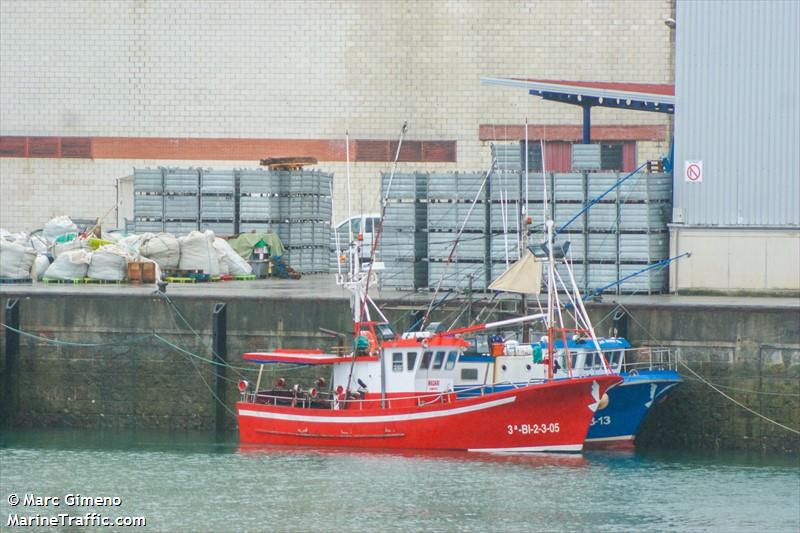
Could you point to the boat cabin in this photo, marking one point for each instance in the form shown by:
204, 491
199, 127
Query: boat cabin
400, 372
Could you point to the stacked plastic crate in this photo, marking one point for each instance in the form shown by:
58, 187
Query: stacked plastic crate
306, 229
505, 221
450, 207
621, 234
403, 244
627, 230
218, 201
504, 208
181, 200
260, 205
148, 200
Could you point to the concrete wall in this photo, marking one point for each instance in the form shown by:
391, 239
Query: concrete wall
735, 260
750, 353
753, 353
240, 71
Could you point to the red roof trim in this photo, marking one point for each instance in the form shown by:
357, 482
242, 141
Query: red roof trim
662, 89
569, 133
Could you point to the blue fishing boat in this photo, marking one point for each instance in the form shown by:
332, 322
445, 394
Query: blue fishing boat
649, 375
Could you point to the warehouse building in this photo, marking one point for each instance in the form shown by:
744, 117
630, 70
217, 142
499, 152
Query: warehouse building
92, 90
736, 204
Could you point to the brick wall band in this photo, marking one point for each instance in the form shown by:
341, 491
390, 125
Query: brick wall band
433, 151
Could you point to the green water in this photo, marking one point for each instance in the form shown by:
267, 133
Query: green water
192, 482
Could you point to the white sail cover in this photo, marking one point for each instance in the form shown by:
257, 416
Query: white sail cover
524, 277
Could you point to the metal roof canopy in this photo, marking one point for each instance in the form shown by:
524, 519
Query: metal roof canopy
657, 98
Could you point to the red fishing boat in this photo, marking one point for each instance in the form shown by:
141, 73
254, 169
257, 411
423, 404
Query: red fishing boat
399, 391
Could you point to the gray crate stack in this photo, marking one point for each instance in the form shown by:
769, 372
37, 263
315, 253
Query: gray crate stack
218, 201
450, 207
308, 232
621, 234
260, 203
295, 205
181, 200
404, 243
148, 200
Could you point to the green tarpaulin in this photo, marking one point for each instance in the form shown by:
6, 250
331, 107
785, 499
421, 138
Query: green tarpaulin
244, 243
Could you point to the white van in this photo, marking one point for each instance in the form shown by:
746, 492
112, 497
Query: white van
364, 225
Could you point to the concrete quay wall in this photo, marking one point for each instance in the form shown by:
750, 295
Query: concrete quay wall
141, 361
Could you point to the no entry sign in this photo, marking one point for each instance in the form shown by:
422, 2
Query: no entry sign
693, 171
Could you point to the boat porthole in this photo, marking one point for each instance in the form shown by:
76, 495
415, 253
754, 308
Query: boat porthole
528, 366
504, 368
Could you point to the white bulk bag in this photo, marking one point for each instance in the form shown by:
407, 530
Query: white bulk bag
220, 251
16, 260
70, 265
109, 263
40, 266
163, 248
69, 246
198, 253
59, 226
233, 261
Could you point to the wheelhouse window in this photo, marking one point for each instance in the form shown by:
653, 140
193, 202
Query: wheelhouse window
469, 374
438, 360
397, 362
411, 360
385, 332
451, 360
426, 361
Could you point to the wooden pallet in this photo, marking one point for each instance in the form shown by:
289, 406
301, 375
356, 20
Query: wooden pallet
244, 277
288, 163
176, 279
23, 280
104, 281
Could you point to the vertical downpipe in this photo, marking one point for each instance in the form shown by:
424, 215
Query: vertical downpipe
220, 348
12, 352
621, 325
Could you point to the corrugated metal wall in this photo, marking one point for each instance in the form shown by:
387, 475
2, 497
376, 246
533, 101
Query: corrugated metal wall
737, 74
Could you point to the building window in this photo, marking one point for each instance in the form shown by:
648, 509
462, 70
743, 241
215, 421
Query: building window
611, 156
534, 156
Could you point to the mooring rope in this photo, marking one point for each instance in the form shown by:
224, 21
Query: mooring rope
132, 340
698, 376
712, 386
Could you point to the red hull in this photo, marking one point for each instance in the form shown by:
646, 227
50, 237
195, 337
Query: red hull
552, 416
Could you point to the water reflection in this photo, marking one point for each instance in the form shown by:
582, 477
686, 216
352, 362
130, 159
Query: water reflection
531, 460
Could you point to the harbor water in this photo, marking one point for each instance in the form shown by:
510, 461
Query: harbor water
198, 482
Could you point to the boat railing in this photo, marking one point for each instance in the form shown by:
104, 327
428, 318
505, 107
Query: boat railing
626, 360
329, 400
650, 358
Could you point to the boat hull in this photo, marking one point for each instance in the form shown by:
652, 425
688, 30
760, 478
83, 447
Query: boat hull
552, 417
628, 404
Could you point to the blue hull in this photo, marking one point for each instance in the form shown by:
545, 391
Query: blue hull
628, 404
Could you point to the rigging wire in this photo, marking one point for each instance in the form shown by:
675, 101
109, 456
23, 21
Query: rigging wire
712, 386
